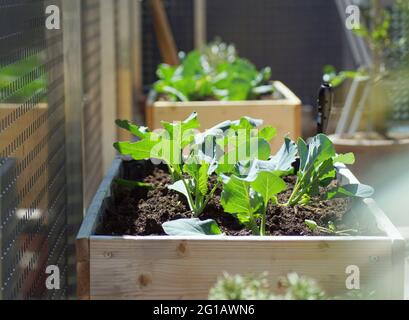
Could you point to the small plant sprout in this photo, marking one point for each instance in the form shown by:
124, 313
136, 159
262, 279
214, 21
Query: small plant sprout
248, 199
331, 229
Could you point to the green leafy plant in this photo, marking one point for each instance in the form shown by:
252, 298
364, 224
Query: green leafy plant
317, 170
185, 152
13, 73
216, 73
248, 200
331, 229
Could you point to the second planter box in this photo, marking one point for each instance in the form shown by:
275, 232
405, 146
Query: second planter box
282, 111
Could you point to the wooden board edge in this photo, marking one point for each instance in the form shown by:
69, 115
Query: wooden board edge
290, 99
381, 218
93, 213
83, 268
96, 238
287, 93
398, 269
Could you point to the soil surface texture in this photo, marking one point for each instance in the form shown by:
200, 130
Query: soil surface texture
140, 211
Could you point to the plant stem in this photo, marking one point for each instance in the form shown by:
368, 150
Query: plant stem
190, 197
263, 224
293, 195
210, 195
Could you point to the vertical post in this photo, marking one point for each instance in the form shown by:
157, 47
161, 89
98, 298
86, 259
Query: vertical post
124, 76
136, 49
108, 81
73, 123
200, 31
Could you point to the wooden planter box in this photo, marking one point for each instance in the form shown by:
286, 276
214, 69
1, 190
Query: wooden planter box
165, 267
283, 113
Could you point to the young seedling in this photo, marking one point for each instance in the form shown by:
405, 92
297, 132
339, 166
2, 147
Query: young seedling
252, 185
186, 152
248, 199
331, 229
317, 170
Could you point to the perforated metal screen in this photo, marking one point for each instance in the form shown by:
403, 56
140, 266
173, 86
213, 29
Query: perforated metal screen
32, 151
58, 90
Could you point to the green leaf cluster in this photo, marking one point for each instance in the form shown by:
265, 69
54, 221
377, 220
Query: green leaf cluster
193, 157
215, 73
250, 178
317, 171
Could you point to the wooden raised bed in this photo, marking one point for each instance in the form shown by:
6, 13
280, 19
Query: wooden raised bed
165, 267
283, 113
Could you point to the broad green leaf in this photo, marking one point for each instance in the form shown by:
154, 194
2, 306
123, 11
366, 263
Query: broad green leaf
180, 187
191, 227
282, 161
138, 131
311, 224
350, 190
165, 71
268, 185
137, 150
319, 149
237, 199
268, 133
347, 158
181, 127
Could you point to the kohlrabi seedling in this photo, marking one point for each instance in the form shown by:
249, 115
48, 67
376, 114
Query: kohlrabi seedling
317, 170
193, 157
254, 184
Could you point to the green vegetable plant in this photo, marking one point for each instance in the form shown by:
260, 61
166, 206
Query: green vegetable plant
317, 170
252, 185
187, 154
238, 156
215, 73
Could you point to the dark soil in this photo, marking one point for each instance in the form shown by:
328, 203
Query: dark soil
142, 212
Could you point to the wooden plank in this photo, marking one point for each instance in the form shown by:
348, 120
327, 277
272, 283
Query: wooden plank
283, 114
88, 226
172, 268
108, 81
164, 35
186, 267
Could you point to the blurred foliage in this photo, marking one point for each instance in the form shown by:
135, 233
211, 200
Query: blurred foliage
216, 72
14, 72
238, 287
291, 287
386, 31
